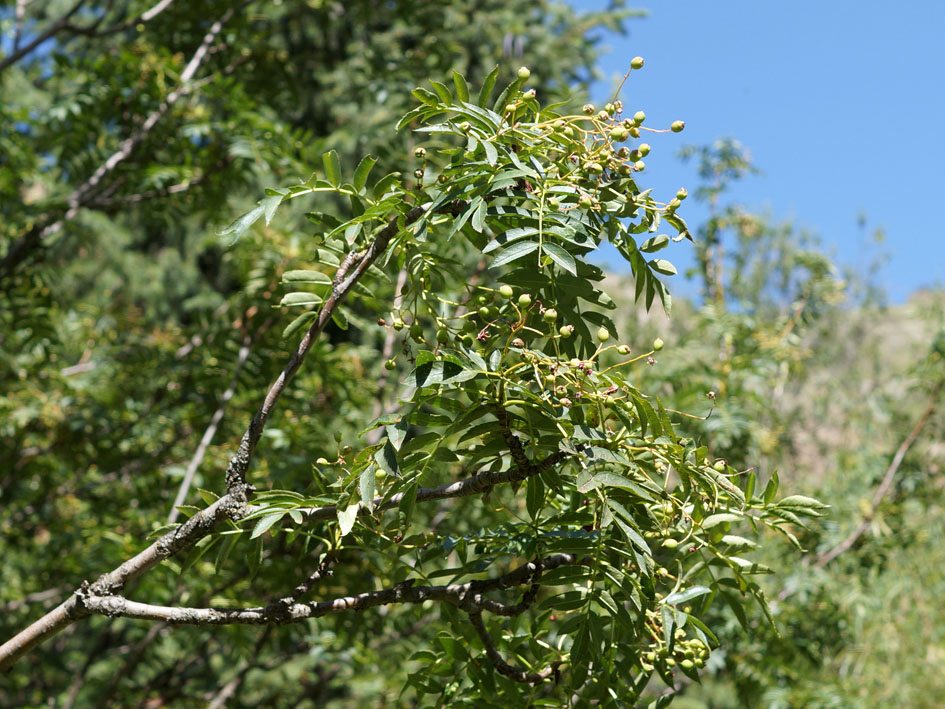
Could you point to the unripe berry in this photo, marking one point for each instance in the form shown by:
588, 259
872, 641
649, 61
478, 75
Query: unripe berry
639, 166
398, 324
465, 126
442, 336
594, 167
553, 203
524, 301
619, 134
609, 108
639, 117
719, 466
506, 292
566, 331
644, 149
677, 126
603, 115
550, 315
657, 344
682, 193
624, 152
636, 63
420, 153
416, 331
584, 202
523, 73
603, 334
484, 312
588, 109
670, 543
634, 132
674, 204
529, 94
624, 349
418, 173
322, 461
389, 364
518, 342
565, 401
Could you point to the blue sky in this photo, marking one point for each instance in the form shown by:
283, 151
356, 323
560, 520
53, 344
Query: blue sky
840, 103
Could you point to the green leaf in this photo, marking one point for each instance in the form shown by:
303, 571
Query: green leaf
264, 523
486, 91
438, 372
347, 517
687, 595
386, 458
663, 266
332, 167
367, 487
514, 252
301, 299
462, 88
362, 171
305, 277
561, 257
300, 322
534, 496
799, 502
771, 489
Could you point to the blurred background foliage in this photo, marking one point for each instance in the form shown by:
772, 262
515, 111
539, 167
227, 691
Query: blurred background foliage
124, 323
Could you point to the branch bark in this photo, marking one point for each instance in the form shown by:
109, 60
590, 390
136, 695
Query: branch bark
464, 595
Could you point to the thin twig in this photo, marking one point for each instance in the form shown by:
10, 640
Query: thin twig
510, 671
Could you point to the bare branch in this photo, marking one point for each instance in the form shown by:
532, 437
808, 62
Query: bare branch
464, 595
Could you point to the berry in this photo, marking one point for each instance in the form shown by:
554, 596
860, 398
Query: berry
670, 543
398, 324
677, 126
518, 342
639, 166
719, 466
529, 94
609, 108
442, 336
566, 331
588, 109
624, 152
657, 344
584, 202
389, 364
484, 312
644, 149
420, 153
636, 63
603, 115
673, 205
465, 126
634, 132
624, 349
416, 331
553, 203
322, 461
565, 401
594, 167
603, 334
506, 292
619, 134
523, 73
524, 301
682, 193
639, 117
550, 315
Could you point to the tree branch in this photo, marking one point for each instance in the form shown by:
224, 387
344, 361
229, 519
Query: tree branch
464, 595
500, 664
40, 38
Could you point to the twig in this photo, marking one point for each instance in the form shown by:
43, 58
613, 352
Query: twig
886, 483
41, 37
